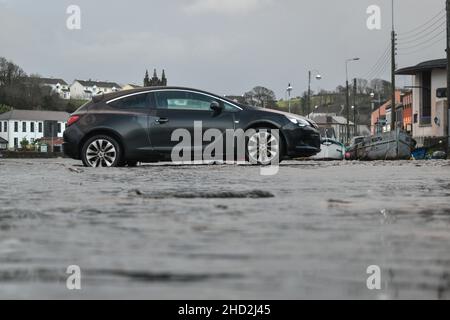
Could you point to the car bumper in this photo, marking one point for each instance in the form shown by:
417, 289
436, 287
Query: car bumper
71, 145
301, 141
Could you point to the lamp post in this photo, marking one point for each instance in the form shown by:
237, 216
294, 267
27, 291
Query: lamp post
355, 121
372, 95
347, 96
289, 90
318, 77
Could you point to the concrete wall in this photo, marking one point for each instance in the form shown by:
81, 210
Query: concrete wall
421, 131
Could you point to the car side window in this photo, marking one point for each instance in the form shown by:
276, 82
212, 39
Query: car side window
183, 100
138, 101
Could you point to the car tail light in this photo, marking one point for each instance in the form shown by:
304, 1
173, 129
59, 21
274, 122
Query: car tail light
72, 120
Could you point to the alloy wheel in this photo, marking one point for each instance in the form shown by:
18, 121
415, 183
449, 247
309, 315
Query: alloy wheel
263, 148
101, 153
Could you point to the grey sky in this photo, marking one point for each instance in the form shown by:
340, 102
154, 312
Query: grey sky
224, 46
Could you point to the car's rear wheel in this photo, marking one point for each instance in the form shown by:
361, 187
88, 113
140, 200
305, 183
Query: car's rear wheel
264, 147
101, 151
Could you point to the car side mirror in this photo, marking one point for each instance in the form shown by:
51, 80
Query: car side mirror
216, 106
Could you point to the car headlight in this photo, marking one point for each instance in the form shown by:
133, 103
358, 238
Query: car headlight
301, 122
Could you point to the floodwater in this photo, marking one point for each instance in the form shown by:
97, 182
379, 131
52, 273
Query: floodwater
225, 232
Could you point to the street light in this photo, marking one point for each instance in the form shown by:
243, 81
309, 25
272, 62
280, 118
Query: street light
372, 95
318, 77
347, 96
315, 109
289, 90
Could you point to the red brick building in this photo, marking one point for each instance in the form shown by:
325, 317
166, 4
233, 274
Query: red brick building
407, 111
381, 117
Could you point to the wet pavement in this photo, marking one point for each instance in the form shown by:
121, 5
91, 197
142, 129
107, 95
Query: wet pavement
225, 231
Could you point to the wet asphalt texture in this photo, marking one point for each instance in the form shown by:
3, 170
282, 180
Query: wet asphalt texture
225, 231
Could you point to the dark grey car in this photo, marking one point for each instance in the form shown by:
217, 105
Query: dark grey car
133, 126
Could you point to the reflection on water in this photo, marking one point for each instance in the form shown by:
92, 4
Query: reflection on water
225, 232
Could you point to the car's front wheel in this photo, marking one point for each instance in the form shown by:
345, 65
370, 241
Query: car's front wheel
101, 151
264, 147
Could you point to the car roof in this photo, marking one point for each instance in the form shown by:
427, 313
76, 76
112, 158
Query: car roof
118, 94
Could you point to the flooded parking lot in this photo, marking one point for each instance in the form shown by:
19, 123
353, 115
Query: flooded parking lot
225, 231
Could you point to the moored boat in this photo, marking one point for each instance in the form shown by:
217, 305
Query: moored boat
330, 150
393, 145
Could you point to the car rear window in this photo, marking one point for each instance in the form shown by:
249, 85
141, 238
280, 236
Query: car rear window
138, 101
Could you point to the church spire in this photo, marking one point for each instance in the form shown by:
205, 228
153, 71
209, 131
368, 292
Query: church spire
163, 78
146, 79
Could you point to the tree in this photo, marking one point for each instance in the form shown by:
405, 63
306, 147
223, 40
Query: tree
362, 86
10, 73
24, 143
20, 91
4, 108
263, 97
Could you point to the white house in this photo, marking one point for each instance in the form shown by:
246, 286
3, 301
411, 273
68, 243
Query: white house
3, 144
58, 86
430, 113
31, 125
130, 86
335, 127
85, 90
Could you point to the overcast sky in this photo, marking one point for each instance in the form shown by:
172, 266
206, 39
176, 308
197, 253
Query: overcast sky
224, 46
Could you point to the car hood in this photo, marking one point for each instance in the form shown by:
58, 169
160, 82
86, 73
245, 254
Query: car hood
287, 114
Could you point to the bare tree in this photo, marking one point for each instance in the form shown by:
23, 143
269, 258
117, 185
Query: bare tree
10, 73
263, 97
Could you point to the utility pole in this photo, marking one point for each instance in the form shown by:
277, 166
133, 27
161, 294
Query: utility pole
448, 71
289, 90
347, 107
393, 67
309, 94
354, 106
318, 77
347, 98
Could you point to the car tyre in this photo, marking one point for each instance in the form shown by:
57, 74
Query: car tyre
132, 164
264, 147
101, 151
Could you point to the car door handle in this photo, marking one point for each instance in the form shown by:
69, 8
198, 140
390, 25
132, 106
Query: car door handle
162, 120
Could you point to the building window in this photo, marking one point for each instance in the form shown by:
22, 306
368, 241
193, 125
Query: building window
16, 143
16, 126
1, 127
5, 126
24, 127
59, 127
40, 127
425, 116
32, 127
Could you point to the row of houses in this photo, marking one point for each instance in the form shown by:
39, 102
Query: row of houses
82, 89
420, 109
86, 89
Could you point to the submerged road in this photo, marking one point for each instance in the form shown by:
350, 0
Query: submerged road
225, 232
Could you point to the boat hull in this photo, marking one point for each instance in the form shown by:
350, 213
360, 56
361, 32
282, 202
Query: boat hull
395, 145
330, 150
